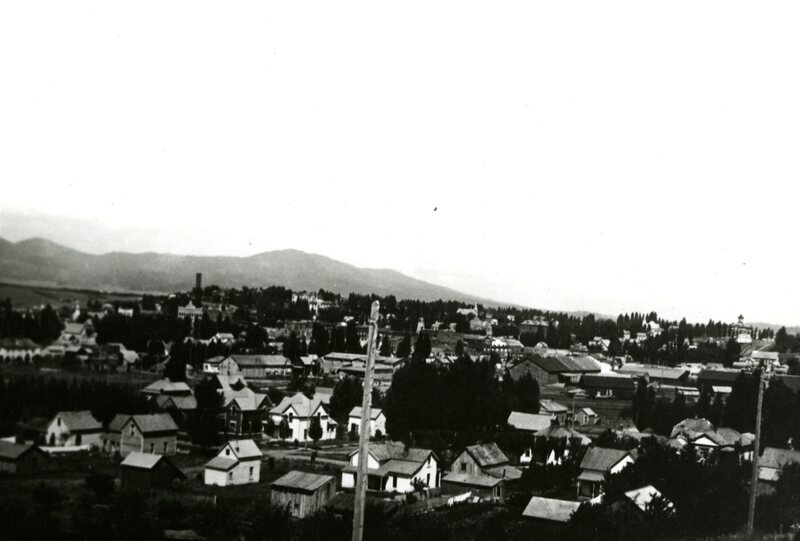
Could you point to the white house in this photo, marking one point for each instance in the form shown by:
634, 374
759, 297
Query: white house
597, 463
23, 349
237, 463
377, 422
70, 428
297, 411
393, 467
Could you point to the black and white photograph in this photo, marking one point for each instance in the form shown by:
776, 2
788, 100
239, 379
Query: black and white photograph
366, 271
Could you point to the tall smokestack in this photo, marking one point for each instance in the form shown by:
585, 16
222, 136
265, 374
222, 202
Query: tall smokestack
198, 280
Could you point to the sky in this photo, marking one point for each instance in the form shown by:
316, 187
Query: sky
604, 156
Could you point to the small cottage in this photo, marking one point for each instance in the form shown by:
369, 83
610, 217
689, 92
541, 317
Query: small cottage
156, 433
377, 422
73, 428
237, 463
596, 464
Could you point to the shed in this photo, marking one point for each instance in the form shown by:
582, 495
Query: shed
21, 459
550, 510
145, 471
485, 486
303, 493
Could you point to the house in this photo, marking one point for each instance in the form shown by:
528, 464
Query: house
586, 416
190, 311
393, 467
254, 366
771, 464
245, 411
303, 494
479, 461
113, 434
156, 433
146, 471
76, 334
238, 462
554, 410
707, 441
180, 407
565, 436
377, 422
211, 366
480, 485
596, 464
167, 387
608, 385
547, 370
297, 411
19, 459
19, 349
635, 504
549, 510
531, 423
69, 428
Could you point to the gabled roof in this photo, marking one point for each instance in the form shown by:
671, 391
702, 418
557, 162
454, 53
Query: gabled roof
718, 376
559, 364
397, 451
79, 421
690, 425
118, 422
243, 449
374, 413
660, 372
551, 406
250, 402
602, 459
531, 422
487, 454
549, 509
778, 458
157, 422
221, 463
558, 432
509, 473
261, 361
183, 403
588, 411
302, 405
74, 328
479, 480
12, 451
301, 481
642, 497
165, 386
146, 461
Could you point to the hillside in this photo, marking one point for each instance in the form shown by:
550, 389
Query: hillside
46, 263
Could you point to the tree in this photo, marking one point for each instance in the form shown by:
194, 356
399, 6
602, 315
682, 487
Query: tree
732, 352
352, 341
204, 423
175, 368
404, 347
347, 394
386, 347
315, 429
283, 429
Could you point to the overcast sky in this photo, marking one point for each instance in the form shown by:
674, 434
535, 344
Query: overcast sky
607, 156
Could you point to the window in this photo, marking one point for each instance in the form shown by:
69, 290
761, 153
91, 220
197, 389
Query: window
58, 421
132, 430
394, 481
251, 472
165, 447
152, 448
305, 434
230, 476
227, 452
290, 416
463, 467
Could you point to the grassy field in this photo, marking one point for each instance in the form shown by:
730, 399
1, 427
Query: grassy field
31, 295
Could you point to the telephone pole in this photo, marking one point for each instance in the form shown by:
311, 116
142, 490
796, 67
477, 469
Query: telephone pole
363, 436
751, 511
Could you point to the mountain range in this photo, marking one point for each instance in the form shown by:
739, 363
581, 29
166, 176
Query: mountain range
43, 262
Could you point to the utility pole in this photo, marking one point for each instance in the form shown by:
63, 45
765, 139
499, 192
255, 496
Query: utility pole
751, 511
363, 436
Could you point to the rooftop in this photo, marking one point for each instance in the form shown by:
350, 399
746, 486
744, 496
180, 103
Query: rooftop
301, 481
487, 454
550, 509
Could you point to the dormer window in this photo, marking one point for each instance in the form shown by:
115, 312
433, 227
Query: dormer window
227, 452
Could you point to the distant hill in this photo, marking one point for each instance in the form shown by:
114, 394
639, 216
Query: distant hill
43, 262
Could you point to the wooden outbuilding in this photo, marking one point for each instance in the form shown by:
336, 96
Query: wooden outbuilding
303, 493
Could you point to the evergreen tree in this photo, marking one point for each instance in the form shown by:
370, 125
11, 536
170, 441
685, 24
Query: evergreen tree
204, 422
404, 347
315, 429
386, 347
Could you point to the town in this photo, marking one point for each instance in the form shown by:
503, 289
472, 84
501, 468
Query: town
235, 414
